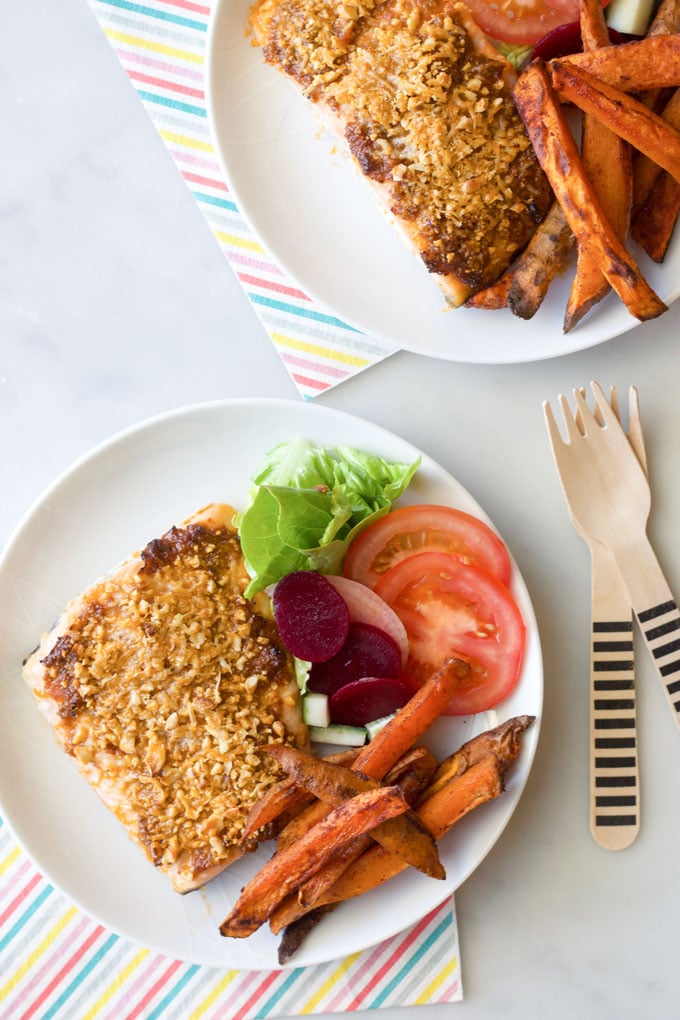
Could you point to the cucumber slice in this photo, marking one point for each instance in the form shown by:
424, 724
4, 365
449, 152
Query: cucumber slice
315, 709
346, 736
632, 17
375, 727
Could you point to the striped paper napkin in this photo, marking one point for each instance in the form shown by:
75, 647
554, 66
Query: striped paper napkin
161, 46
58, 964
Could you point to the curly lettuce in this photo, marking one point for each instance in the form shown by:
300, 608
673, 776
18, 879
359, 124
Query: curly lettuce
308, 503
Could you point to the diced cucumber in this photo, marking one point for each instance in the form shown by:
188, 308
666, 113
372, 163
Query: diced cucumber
375, 727
346, 736
631, 17
315, 710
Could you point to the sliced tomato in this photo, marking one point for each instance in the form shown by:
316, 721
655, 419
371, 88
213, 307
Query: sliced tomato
522, 21
450, 608
424, 528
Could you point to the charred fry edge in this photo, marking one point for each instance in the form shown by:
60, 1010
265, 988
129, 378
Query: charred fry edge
545, 256
559, 157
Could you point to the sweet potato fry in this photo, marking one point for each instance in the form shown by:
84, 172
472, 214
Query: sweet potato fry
480, 783
416, 766
406, 836
650, 63
284, 797
295, 934
494, 296
524, 285
500, 745
607, 160
412, 781
557, 153
397, 737
285, 870
503, 742
545, 256
646, 170
666, 20
410, 722
655, 221
623, 114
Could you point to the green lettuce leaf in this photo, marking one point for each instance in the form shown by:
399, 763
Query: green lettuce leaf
308, 503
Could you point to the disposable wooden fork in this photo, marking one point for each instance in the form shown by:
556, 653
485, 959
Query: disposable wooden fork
609, 500
614, 772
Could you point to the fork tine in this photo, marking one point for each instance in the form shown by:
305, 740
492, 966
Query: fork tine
635, 436
614, 401
587, 418
609, 415
573, 431
554, 434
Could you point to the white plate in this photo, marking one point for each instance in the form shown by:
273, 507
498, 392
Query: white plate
127, 491
320, 223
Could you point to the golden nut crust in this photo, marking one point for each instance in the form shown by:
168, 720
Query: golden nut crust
424, 104
161, 681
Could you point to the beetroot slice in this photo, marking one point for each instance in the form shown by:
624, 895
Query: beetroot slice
367, 651
365, 606
312, 618
368, 699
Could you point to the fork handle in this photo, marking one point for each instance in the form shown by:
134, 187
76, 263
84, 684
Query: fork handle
614, 775
656, 611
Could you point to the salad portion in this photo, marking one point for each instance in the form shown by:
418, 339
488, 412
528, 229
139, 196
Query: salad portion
524, 29
370, 598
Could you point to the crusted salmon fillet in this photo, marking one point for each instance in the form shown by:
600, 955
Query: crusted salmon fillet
423, 103
161, 681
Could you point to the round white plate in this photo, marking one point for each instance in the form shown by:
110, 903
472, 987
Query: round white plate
321, 224
126, 492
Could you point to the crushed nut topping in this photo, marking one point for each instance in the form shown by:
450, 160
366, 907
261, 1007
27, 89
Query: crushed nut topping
166, 681
428, 116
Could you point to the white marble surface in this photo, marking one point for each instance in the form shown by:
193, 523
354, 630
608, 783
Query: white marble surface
96, 230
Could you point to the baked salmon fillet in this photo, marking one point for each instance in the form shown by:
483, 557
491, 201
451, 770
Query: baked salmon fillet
423, 102
161, 681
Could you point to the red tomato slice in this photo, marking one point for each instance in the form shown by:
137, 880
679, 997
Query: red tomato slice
522, 21
451, 608
418, 529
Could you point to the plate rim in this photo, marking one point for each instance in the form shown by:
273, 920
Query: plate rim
186, 411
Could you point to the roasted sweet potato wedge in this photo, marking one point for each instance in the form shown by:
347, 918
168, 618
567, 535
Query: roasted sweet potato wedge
649, 63
622, 113
481, 782
608, 162
560, 159
287, 869
334, 784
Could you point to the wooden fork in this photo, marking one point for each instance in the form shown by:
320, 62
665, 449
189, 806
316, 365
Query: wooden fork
609, 497
614, 773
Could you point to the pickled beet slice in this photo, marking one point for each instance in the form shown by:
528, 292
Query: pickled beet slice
368, 651
370, 698
312, 617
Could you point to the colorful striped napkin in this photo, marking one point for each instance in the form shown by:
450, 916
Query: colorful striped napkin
58, 964
161, 46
